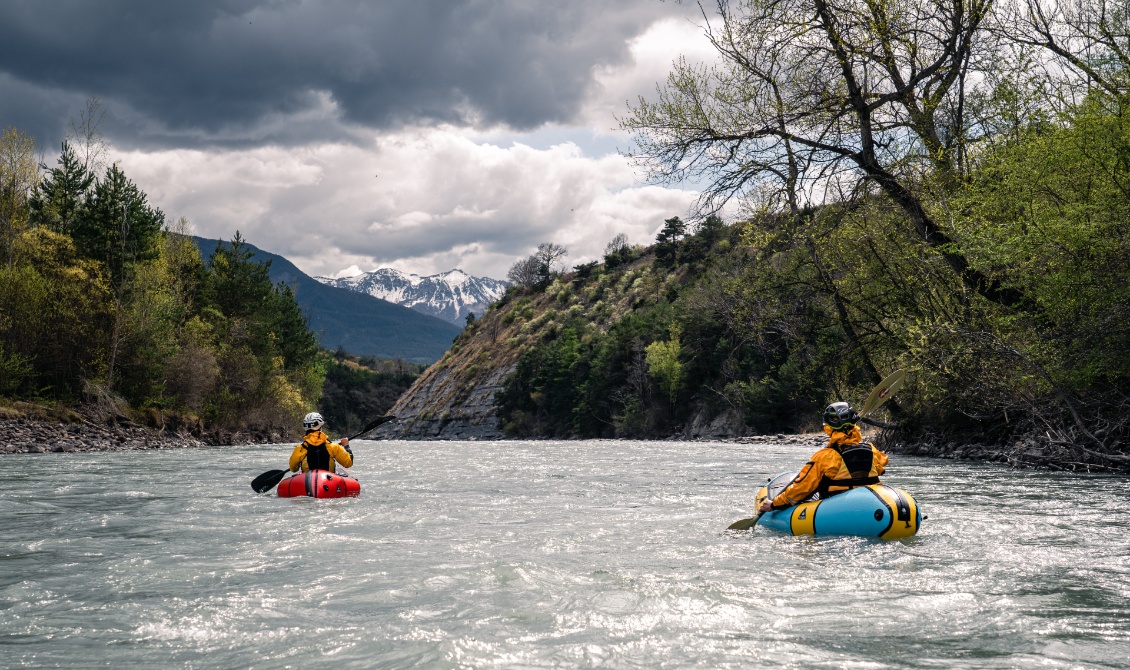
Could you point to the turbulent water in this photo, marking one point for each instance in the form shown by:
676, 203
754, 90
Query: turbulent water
547, 555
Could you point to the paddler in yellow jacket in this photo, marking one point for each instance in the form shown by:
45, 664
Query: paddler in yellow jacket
847, 462
316, 451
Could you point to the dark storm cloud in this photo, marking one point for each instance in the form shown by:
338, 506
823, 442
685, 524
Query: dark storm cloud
234, 72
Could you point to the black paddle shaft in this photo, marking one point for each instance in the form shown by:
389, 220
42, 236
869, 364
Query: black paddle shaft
373, 424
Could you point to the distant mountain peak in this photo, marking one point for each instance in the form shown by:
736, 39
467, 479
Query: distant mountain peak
356, 323
448, 295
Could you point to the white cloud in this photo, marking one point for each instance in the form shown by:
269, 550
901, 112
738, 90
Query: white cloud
652, 54
422, 201
428, 199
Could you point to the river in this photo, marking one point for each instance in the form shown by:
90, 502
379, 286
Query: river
602, 554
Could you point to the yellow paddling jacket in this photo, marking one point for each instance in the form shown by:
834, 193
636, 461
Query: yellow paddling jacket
317, 453
847, 462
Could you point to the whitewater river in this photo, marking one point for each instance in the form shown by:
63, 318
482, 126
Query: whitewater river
547, 555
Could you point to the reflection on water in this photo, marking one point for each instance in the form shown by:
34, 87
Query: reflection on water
547, 554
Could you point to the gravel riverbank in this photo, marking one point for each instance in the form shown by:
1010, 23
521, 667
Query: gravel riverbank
37, 436
32, 436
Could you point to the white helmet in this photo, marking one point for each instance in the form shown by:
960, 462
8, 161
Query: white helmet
313, 421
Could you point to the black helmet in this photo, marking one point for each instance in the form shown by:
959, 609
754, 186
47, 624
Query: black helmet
840, 415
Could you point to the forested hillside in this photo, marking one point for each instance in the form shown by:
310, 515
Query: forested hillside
104, 303
359, 389
359, 323
902, 213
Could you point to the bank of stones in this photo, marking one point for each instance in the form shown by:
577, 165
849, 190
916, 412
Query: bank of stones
32, 436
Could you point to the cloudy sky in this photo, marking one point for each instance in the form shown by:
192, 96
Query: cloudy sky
348, 135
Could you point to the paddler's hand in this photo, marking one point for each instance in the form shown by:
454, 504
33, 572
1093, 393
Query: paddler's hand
766, 506
345, 441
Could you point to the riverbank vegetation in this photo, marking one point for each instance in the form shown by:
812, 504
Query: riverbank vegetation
107, 307
358, 389
940, 187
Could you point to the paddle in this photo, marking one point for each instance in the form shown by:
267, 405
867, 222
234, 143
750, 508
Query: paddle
271, 478
745, 524
879, 395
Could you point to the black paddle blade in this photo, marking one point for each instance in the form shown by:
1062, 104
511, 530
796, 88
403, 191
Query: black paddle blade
268, 480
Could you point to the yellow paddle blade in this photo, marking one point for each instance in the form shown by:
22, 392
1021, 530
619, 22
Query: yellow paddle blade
744, 524
881, 393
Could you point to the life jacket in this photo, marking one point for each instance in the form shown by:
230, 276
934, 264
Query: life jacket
317, 453
317, 456
844, 464
859, 461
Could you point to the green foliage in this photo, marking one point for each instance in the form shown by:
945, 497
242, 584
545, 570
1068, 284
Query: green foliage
784, 312
236, 286
663, 362
543, 403
269, 367
61, 196
18, 175
14, 371
358, 390
667, 241
99, 294
55, 311
117, 227
1045, 212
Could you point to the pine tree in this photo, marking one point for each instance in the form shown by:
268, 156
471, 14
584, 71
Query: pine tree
62, 194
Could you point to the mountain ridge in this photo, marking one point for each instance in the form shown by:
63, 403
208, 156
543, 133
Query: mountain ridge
449, 296
353, 321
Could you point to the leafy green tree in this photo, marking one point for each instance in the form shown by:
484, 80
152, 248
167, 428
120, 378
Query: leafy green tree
269, 370
55, 308
235, 284
663, 362
118, 228
825, 97
708, 233
289, 329
15, 370
19, 173
617, 252
1047, 212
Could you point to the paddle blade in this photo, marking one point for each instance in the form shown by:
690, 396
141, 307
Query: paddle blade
744, 524
268, 480
881, 393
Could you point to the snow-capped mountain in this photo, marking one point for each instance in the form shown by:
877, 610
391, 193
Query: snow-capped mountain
449, 296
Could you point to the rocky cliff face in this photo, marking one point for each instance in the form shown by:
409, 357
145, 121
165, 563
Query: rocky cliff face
455, 398
446, 405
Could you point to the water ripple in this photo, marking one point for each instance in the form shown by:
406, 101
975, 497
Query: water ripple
608, 554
